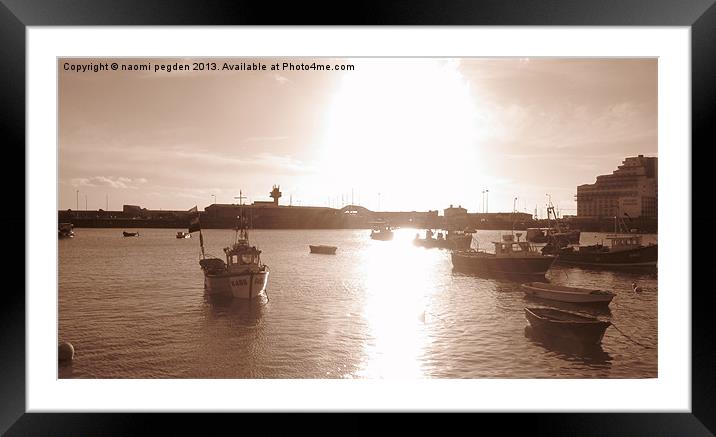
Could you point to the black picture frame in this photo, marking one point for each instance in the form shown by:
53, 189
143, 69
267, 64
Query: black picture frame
699, 15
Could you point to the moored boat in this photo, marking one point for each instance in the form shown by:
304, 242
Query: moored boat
510, 258
65, 230
242, 275
323, 249
130, 234
454, 240
624, 251
381, 231
567, 325
568, 294
181, 234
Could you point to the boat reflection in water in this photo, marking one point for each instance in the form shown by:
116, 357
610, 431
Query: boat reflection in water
241, 312
575, 351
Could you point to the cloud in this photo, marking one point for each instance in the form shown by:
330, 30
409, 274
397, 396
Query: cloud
108, 181
281, 79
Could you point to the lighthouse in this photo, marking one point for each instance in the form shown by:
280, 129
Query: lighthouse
275, 194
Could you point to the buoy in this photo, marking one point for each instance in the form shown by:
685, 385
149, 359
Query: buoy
65, 352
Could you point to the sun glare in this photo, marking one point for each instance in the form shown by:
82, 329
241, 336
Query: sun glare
406, 128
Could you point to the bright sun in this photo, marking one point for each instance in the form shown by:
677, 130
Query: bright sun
407, 128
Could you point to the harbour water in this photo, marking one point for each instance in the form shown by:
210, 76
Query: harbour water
135, 308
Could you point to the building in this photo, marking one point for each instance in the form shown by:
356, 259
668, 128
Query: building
455, 217
630, 190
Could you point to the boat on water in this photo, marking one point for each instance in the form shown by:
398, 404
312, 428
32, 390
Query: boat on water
624, 251
454, 240
130, 234
381, 231
242, 274
65, 230
545, 235
557, 234
510, 258
323, 249
182, 234
568, 294
567, 325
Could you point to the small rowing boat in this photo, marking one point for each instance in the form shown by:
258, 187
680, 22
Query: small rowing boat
323, 249
562, 324
568, 294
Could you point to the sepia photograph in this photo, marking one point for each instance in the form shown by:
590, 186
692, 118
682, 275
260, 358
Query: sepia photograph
357, 218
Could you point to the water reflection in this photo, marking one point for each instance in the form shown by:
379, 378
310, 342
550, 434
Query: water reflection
570, 350
509, 277
397, 279
241, 312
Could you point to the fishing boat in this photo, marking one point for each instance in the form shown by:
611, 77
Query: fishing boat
567, 325
242, 274
130, 234
322, 249
381, 231
624, 251
545, 235
510, 258
454, 240
558, 234
568, 294
65, 230
182, 234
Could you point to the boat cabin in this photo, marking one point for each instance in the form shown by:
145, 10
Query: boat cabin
509, 246
241, 257
625, 242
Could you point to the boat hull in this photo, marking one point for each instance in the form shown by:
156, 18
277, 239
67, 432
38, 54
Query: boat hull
645, 256
383, 236
324, 250
586, 297
246, 285
568, 326
493, 265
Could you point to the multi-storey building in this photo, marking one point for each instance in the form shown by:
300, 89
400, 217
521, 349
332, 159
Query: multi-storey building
630, 190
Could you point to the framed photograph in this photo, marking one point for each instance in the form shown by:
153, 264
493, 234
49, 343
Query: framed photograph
360, 218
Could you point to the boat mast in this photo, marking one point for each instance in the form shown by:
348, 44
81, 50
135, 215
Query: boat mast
240, 231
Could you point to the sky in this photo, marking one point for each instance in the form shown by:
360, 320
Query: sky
400, 134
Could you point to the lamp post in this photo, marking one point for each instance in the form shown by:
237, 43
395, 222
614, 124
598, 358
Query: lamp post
214, 196
487, 200
78, 200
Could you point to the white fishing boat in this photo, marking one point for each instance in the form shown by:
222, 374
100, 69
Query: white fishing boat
568, 294
242, 275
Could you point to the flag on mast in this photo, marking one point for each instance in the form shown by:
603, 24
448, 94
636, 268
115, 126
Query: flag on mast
194, 224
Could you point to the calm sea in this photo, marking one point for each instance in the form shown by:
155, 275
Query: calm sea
135, 308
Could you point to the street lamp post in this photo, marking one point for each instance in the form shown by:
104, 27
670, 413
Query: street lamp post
487, 200
214, 196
